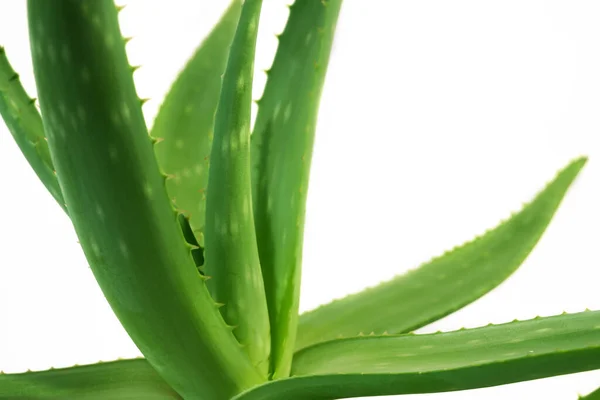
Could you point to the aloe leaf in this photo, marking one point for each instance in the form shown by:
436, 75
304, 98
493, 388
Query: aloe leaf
115, 380
282, 143
184, 124
25, 125
118, 203
231, 250
446, 283
465, 359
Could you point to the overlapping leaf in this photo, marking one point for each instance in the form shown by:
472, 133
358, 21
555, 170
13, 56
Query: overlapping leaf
231, 258
117, 380
184, 124
118, 203
282, 143
465, 359
25, 124
446, 283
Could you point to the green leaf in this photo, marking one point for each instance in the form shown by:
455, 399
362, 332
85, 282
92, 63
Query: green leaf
282, 144
446, 283
116, 380
25, 124
118, 203
184, 124
231, 251
465, 359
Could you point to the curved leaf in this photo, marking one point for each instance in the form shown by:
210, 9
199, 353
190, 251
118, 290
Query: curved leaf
25, 125
282, 143
117, 200
184, 124
116, 380
465, 359
231, 251
446, 283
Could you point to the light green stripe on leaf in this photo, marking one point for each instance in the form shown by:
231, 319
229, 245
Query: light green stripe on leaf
282, 144
118, 203
25, 125
184, 124
466, 359
231, 251
446, 283
116, 380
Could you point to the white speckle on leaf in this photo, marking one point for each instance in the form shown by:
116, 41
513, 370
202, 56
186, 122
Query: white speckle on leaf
308, 37
99, 212
287, 113
96, 20
188, 109
148, 190
95, 248
198, 169
224, 147
240, 84
276, 110
123, 248
125, 111
179, 144
187, 172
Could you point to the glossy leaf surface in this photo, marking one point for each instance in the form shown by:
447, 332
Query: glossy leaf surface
116, 380
282, 143
446, 283
465, 359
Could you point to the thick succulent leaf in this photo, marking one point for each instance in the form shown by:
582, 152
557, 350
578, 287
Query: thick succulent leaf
465, 359
116, 380
231, 249
282, 144
446, 283
118, 203
25, 124
184, 124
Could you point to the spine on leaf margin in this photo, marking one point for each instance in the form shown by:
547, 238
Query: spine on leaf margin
231, 250
118, 203
282, 144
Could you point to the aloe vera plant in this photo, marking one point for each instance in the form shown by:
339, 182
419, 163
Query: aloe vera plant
194, 229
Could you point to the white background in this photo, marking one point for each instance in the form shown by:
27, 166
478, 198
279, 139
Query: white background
438, 118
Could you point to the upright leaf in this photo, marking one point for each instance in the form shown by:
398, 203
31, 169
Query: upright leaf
465, 359
116, 380
281, 154
117, 200
184, 124
446, 283
25, 124
231, 251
